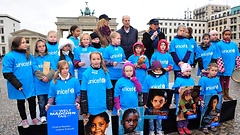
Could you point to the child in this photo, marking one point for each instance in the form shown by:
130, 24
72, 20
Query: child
18, 71
228, 56
113, 55
163, 56
74, 35
66, 47
52, 44
83, 49
64, 89
210, 84
130, 122
214, 37
193, 44
183, 79
141, 67
96, 88
126, 89
43, 75
97, 124
155, 79
205, 54
180, 49
96, 43
211, 115
157, 100
186, 107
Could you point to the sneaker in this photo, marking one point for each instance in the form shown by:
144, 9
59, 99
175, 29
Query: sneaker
25, 123
187, 131
205, 130
180, 131
160, 133
213, 128
36, 121
43, 119
151, 133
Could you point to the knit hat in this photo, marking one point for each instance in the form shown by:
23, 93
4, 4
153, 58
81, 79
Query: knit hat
185, 67
128, 64
94, 35
64, 41
156, 64
213, 32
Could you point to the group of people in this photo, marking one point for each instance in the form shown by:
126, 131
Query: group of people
112, 71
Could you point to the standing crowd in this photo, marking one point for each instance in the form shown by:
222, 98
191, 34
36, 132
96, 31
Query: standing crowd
113, 71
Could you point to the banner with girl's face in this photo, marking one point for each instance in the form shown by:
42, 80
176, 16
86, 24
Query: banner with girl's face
210, 115
158, 103
130, 121
187, 103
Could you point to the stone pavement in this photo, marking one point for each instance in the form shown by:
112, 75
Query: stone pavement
9, 117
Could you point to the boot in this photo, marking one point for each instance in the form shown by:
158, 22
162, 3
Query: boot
224, 94
227, 94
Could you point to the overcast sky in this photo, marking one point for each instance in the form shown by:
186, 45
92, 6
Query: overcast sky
40, 15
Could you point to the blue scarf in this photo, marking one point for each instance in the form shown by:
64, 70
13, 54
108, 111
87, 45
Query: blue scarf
155, 41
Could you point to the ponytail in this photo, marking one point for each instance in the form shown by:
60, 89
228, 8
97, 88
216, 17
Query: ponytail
55, 77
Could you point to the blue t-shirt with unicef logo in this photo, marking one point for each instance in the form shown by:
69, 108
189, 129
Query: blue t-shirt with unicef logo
210, 86
17, 63
114, 54
96, 82
228, 52
180, 47
40, 86
75, 41
70, 62
194, 49
206, 55
77, 56
64, 91
151, 82
127, 92
52, 49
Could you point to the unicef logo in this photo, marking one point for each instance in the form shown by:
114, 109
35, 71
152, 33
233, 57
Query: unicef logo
103, 80
63, 113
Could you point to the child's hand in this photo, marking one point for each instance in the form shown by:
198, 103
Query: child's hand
180, 63
45, 79
85, 116
80, 64
202, 103
20, 88
119, 111
145, 106
114, 64
47, 106
77, 106
167, 69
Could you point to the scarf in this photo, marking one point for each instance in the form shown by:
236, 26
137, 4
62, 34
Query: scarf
65, 53
96, 45
155, 41
52, 43
105, 30
226, 41
204, 47
179, 37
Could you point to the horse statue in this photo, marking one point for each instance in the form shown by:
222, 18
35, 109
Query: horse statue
81, 12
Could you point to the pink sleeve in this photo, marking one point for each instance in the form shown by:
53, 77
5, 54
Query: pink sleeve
75, 63
117, 102
238, 62
137, 84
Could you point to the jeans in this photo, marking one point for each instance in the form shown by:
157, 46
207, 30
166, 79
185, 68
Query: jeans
158, 124
42, 101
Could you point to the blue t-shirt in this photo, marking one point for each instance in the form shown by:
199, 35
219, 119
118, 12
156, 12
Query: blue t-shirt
114, 54
210, 86
206, 55
70, 62
180, 47
52, 49
194, 48
64, 91
151, 82
75, 41
165, 59
17, 63
228, 52
40, 86
96, 82
126, 89
77, 56
217, 51
180, 82
140, 72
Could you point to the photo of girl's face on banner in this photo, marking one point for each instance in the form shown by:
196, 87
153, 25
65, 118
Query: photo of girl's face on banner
98, 124
131, 121
187, 104
158, 103
211, 111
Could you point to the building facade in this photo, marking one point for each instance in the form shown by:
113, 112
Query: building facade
8, 25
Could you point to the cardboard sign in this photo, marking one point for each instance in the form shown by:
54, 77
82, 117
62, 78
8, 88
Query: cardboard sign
46, 67
62, 120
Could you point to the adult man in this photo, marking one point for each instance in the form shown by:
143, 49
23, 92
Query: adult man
129, 36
